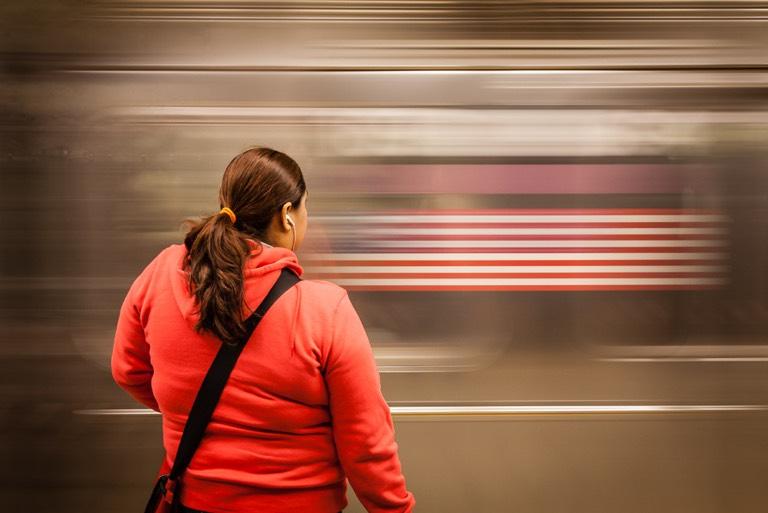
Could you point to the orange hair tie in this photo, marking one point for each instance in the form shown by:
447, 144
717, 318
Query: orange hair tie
229, 212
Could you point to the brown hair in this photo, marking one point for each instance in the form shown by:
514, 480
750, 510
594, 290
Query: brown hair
255, 185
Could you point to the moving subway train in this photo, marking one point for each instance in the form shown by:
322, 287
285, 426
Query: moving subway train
551, 218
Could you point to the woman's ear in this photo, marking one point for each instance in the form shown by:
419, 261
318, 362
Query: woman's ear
288, 225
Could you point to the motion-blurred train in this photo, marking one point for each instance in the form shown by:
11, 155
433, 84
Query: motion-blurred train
551, 218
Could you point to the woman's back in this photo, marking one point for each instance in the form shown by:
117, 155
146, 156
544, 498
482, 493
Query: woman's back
302, 408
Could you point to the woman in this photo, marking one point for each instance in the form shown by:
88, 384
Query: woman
303, 408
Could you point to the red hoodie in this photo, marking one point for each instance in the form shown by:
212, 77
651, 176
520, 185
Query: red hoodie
302, 409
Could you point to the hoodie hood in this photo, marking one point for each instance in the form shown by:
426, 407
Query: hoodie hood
261, 271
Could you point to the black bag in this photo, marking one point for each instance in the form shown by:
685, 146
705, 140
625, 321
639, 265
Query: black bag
165, 495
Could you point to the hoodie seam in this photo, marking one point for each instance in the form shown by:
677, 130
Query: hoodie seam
333, 331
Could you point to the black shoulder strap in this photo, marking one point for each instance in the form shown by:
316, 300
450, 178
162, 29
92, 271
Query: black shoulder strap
217, 376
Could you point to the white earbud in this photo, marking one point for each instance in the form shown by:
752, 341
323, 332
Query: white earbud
288, 218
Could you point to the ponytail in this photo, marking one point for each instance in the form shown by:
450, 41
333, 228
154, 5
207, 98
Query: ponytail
216, 254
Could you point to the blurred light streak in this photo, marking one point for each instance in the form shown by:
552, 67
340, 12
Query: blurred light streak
596, 409
684, 353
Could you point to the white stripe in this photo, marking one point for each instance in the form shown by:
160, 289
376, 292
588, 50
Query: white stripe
525, 281
644, 408
536, 231
116, 411
511, 409
716, 359
540, 243
320, 257
686, 350
524, 218
520, 269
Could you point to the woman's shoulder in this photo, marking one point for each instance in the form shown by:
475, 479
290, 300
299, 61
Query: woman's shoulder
323, 297
319, 301
322, 291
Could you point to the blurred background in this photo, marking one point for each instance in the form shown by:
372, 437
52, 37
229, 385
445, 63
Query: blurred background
551, 217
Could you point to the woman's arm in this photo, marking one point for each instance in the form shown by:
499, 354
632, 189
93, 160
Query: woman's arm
131, 366
362, 423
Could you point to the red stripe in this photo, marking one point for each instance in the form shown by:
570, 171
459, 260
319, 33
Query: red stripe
492, 237
543, 224
548, 211
528, 288
597, 249
510, 263
419, 276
